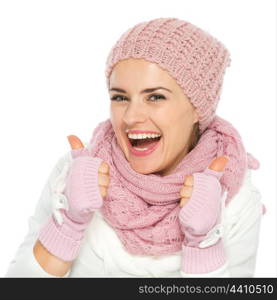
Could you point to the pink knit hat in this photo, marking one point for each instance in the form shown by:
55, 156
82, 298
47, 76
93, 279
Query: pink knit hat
189, 54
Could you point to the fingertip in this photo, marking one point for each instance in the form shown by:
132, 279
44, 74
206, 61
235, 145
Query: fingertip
75, 142
69, 140
219, 163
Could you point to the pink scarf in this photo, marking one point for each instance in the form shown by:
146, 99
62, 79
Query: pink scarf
143, 209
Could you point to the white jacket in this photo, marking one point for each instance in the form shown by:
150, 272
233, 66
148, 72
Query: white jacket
102, 254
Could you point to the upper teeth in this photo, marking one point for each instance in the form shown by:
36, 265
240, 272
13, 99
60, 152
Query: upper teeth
142, 135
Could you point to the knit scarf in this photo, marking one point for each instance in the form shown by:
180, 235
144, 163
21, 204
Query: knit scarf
143, 209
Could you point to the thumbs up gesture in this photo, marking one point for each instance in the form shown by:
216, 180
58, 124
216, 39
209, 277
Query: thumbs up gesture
200, 201
87, 183
103, 171
85, 186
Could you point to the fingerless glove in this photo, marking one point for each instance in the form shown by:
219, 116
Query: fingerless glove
83, 198
198, 217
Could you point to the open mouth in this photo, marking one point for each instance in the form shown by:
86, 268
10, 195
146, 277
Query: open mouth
143, 143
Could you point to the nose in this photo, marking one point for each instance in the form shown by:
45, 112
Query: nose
135, 113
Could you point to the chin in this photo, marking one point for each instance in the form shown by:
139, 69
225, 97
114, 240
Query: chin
143, 170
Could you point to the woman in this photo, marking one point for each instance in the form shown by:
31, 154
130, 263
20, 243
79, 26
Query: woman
163, 189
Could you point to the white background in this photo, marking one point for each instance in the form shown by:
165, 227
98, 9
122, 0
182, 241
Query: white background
52, 84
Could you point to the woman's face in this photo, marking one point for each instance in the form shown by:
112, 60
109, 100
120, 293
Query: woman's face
165, 111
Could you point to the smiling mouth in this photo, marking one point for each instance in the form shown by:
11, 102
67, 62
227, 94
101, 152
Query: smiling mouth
143, 142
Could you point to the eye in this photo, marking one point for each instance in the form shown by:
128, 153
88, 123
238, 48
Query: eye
157, 97
116, 97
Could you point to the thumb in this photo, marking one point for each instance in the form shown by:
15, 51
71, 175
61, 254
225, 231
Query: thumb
75, 142
219, 163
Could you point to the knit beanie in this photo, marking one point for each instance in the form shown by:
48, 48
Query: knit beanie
193, 57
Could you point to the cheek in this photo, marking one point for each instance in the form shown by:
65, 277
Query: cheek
178, 129
177, 138
184, 116
116, 124
115, 116
112, 111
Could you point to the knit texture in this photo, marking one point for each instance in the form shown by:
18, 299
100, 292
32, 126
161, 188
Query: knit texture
201, 212
197, 217
82, 189
192, 56
143, 209
83, 197
197, 261
64, 240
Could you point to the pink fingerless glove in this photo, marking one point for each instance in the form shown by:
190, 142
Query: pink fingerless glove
83, 197
197, 217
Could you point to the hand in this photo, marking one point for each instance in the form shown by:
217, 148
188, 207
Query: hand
202, 250
200, 201
86, 183
218, 165
103, 171
80, 184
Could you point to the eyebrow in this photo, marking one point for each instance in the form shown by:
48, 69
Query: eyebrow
149, 90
